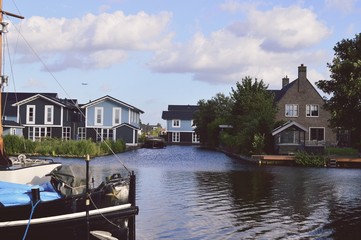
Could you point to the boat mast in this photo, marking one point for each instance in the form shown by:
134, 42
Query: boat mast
4, 161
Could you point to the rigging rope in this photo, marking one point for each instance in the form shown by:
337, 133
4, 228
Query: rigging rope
67, 94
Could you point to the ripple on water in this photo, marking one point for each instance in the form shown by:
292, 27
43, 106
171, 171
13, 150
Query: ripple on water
187, 193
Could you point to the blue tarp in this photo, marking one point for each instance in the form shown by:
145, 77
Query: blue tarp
13, 194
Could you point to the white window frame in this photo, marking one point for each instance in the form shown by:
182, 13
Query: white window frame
133, 116
30, 119
310, 110
100, 115
195, 138
37, 133
66, 133
175, 136
117, 115
46, 116
176, 123
293, 112
81, 133
324, 134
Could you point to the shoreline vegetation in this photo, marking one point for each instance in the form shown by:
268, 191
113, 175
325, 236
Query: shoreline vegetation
16, 145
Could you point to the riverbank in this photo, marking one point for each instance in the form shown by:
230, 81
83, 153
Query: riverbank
290, 160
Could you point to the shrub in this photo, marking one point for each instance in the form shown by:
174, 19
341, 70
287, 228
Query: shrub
309, 160
50, 146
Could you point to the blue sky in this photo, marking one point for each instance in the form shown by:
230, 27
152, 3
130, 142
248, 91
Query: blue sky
154, 53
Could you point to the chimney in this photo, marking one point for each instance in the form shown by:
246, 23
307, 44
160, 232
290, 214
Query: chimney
302, 72
285, 81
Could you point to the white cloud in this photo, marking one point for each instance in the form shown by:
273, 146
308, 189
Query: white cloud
268, 45
94, 40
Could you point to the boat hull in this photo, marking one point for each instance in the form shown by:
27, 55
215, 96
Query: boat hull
110, 207
74, 225
33, 174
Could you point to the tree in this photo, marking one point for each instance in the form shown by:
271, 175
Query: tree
211, 114
345, 87
253, 115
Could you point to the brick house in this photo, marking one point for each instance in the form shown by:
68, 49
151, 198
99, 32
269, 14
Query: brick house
300, 106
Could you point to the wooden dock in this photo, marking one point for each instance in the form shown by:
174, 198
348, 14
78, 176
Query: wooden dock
290, 160
274, 159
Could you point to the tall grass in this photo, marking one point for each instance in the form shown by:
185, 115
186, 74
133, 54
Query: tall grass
309, 159
15, 145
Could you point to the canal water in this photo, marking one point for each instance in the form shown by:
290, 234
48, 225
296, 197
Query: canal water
185, 192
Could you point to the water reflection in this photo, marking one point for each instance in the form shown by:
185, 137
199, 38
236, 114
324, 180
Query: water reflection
189, 193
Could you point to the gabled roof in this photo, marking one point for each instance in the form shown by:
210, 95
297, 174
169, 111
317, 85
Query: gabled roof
9, 98
183, 112
32, 98
280, 93
126, 125
288, 125
106, 98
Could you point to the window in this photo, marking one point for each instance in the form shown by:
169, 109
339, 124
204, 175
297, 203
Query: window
98, 116
195, 138
291, 110
37, 133
175, 136
133, 116
108, 134
66, 133
176, 123
81, 133
116, 116
30, 114
49, 112
104, 134
311, 110
317, 134
289, 136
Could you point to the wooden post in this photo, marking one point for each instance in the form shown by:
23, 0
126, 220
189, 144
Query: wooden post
132, 199
87, 201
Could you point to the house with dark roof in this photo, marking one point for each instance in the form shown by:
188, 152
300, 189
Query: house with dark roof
108, 118
45, 116
9, 98
300, 107
180, 129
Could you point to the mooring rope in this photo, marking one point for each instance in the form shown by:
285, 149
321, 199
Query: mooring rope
31, 216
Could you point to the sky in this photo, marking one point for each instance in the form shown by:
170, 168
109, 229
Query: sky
151, 54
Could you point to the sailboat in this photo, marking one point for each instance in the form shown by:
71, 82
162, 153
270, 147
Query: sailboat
43, 199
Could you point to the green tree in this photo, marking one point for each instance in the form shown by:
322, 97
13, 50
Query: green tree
211, 114
345, 87
253, 115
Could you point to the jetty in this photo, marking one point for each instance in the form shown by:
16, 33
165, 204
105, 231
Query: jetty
333, 161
